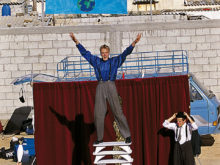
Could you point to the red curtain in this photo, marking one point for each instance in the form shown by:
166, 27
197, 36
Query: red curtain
64, 128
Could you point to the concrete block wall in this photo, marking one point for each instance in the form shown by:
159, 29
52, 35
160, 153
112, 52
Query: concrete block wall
62, 21
38, 50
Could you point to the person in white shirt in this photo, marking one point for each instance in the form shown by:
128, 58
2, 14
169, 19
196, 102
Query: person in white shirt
183, 153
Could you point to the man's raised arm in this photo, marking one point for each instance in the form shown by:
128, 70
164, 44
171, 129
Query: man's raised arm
86, 54
136, 40
74, 38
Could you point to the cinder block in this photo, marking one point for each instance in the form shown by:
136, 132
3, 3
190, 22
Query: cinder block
10, 67
210, 53
202, 75
161, 33
173, 47
159, 47
25, 66
6, 103
59, 44
212, 38
201, 61
66, 37
125, 35
22, 52
168, 40
17, 60
5, 89
154, 40
195, 68
36, 52
203, 46
7, 53
187, 32
38, 66
125, 42
2, 96
31, 45
17, 74
51, 66
210, 68
214, 30
31, 60
48, 52
183, 40
144, 48
81, 36
58, 58
21, 38
88, 44
4, 45
35, 37
71, 44
198, 39
210, 82
195, 54
148, 33
93, 36
175, 32
64, 51
5, 74
215, 75
214, 60
46, 59
190, 46
12, 96
202, 31
50, 37
7, 38
215, 45
1, 68
45, 44
16, 45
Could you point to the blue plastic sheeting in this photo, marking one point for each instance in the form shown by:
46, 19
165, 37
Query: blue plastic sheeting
6, 10
34, 78
86, 6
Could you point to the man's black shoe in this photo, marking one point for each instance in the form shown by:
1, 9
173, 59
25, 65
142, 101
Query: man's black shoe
98, 142
128, 139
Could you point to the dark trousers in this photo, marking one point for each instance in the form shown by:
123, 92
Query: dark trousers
183, 154
107, 90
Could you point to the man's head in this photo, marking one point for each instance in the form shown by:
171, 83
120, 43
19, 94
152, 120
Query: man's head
104, 51
181, 119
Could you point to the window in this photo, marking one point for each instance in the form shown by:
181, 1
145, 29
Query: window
194, 94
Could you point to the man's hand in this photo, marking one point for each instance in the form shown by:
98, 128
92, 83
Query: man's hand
188, 117
74, 38
172, 117
136, 40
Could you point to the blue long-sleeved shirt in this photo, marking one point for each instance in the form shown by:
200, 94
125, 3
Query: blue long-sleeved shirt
105, 70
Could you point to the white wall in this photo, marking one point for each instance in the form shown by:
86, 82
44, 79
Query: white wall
41, 48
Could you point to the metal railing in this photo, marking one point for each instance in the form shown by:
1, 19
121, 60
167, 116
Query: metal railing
136, 65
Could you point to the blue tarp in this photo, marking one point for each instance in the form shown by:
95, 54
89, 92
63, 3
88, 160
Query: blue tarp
34, 78
86, 6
